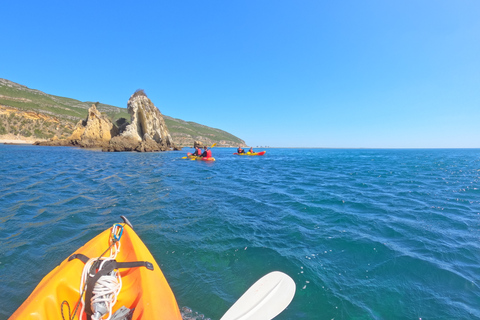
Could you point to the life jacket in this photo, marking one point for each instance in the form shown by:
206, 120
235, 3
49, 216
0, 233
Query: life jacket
209, 154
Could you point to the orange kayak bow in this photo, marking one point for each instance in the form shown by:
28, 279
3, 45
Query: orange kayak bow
144, 293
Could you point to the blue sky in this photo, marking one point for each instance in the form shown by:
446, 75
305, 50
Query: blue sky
309, 73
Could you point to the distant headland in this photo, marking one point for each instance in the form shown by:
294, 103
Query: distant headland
29, 115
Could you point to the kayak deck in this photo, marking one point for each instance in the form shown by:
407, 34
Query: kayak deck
145, 291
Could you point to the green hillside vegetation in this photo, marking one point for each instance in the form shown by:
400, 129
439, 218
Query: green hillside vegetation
40, 129
192, 129
69, 111
23, 98
29, 100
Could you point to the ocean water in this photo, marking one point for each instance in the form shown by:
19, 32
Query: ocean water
365, 234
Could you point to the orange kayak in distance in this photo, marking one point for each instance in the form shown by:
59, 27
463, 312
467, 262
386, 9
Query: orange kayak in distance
143, 292
261, 153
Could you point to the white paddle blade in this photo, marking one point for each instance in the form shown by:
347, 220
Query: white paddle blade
265, 299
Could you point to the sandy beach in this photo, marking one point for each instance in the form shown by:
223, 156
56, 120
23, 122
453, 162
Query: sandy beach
12, 139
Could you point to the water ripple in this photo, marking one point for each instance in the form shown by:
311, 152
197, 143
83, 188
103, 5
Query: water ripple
366, 234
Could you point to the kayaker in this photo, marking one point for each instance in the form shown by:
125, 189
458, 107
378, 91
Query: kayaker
197, 152
207, 153
240, 150
251, 150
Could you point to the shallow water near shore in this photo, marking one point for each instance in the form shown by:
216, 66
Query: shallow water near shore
365, 234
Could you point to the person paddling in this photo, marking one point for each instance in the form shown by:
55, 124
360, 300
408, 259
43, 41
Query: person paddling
251, 150
207, 153
197, 152
240, 150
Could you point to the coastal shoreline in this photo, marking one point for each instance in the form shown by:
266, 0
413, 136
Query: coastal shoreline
12, 139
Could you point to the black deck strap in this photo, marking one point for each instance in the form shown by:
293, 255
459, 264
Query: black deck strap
135, 264
80, 257
118, 265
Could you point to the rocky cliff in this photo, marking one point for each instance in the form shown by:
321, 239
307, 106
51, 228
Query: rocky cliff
146, 131
31, 125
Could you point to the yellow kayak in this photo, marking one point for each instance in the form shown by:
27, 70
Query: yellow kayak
143, 292
192, 157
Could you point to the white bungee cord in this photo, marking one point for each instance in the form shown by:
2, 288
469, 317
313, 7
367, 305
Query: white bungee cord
107, 287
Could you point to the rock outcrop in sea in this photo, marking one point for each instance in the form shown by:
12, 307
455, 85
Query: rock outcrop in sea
198, 144
146, 131
93, 132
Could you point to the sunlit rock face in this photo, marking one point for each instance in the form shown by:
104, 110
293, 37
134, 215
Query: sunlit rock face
95, 128
95, 131
146, 122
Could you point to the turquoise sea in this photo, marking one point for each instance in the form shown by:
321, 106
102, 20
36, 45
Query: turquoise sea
365, 234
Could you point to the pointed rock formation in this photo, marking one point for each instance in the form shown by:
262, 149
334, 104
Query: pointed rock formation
147, 127
146, 119
95, 128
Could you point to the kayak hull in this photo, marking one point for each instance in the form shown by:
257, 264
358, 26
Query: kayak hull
145, 291
261, 153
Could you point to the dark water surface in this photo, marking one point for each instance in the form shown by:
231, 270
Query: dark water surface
365, 234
